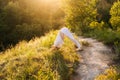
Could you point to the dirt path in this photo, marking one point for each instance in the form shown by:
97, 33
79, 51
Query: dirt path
94, 60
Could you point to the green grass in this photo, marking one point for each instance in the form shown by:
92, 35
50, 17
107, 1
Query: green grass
34, 60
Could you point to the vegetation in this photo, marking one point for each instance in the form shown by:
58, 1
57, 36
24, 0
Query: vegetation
79, 14
26, 19
90, 19
34, 60
109, 74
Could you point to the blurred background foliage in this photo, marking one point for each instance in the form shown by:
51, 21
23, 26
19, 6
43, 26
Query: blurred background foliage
25, 19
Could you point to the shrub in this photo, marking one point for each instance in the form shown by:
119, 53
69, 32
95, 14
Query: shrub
115, 15
109, 74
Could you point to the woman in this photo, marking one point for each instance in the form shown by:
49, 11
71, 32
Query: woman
60, 39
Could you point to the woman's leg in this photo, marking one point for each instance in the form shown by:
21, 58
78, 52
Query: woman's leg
70, 36
59, 40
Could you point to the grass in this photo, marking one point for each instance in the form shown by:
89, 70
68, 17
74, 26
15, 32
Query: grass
34, 60
110, 74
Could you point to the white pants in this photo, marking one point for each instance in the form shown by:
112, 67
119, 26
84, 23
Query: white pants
60, 36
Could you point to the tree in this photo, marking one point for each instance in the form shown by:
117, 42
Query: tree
25, 19
80, 13
115, 15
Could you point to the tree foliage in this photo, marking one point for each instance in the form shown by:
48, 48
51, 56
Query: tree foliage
115, 15
24, 19
80, 13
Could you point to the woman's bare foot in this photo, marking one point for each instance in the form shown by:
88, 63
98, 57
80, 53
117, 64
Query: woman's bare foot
79, 49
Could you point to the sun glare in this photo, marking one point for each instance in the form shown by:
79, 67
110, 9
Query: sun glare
54, 2
49, 3
48, 0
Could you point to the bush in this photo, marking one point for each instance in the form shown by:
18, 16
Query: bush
96, 25
115, 15
106, 35
109, 74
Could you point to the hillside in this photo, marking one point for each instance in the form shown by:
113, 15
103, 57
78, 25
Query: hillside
34, 60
